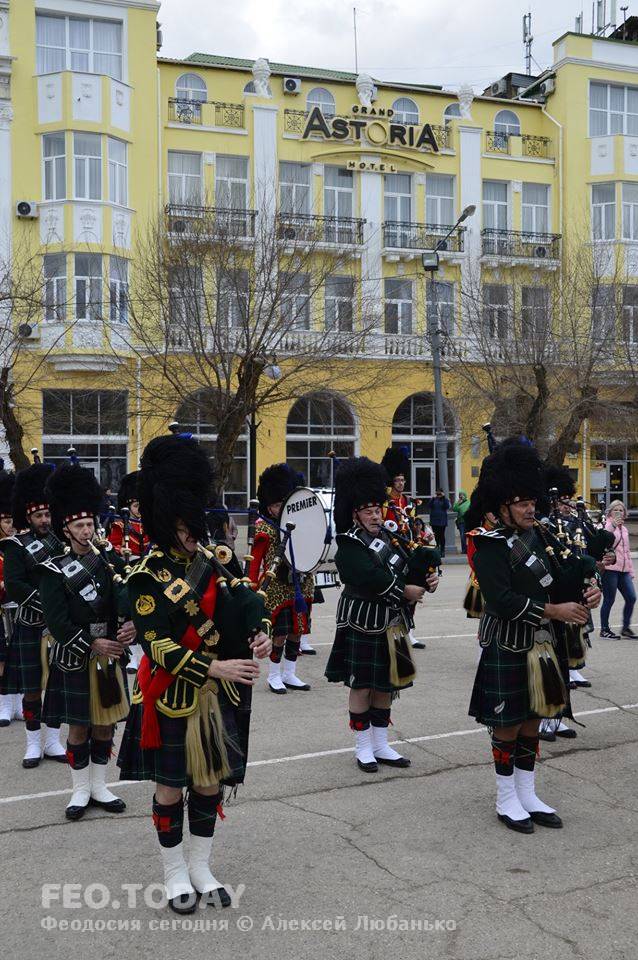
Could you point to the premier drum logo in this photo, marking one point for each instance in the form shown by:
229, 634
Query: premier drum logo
298, 505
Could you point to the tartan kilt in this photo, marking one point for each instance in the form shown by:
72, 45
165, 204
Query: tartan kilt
167, 764
360, 660
500, 696
287, 622
23, 667
67, 698
4, 648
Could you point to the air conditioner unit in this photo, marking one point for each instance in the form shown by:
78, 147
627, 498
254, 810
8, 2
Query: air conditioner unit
292, 85
541, 252
289, 233
159, 36
499, 88
28, 331
547, 86
178, 226
27, 209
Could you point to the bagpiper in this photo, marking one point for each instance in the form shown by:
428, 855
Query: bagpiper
10, 703
26, 668
399, 508
382, 576
288, 595
84, 607
126, 533
530, 589
188, 726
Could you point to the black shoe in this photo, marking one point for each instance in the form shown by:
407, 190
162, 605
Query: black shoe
520, 826
185, 903
75, 813
609, 635
418, 645
628, 633
547, 735
276, 690
399, 762
58, 757
546, 819
310, 652
31, 763
567, 734
132, 670
217, 898
367, 767
111, 806
583, 683
4, 723
292, 686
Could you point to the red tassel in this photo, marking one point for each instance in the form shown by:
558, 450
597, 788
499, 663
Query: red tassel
71, 758
162, 824
151, 739
220, 812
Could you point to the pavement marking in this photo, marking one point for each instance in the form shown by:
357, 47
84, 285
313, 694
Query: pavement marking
317, 754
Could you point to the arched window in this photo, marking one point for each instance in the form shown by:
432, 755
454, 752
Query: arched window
413, 425
452, 110
318, 424
199, 414
250, 87
190, 86
405, 111
508, 123
320, 97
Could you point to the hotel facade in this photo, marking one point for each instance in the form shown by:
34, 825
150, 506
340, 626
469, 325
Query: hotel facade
100, 134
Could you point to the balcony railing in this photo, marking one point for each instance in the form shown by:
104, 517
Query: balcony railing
496, 142
307, 228
420, 236
207, 113
512, 244
192, 221
540, 147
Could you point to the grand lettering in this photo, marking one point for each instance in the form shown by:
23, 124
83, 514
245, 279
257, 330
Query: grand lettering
376, 133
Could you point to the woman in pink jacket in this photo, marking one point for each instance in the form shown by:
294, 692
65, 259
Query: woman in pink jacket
618, 576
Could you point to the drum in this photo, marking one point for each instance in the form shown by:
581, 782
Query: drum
304, 508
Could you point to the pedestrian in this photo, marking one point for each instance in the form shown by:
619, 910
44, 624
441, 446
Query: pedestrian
618, 576
439, 506
460, 508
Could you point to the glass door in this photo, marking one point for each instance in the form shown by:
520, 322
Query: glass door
422, 481
616, 480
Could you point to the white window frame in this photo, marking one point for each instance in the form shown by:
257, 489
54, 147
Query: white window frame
408, 117
55, 287
629, 212
300, 193
230, 180
295, 302
50, 164
507, 128
88, 161
497, 317
335, 197
118, 173
321, 101
452, 111
535, 317
604, 314
184, 180
443, 298
118, 289
495, 205
398, 309
325, 432
435, 203
602, 213
630, 314
628, 123
233, 299
339, 306
90, 51
536, 210
92, 285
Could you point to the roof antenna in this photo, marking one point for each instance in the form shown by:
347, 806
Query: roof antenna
624, 18
356, 52
527, 41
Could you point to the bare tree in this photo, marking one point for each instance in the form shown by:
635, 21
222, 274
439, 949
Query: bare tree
545, 355
229, 306
26, 297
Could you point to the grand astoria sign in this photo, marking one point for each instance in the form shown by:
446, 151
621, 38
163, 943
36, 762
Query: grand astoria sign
377, 128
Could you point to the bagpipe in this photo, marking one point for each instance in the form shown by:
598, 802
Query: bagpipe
421, 560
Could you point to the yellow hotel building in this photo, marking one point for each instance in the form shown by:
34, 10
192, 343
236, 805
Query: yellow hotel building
99, 133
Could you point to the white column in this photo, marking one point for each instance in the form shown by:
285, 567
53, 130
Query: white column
6, 219
470, 139
371, 257
265, 158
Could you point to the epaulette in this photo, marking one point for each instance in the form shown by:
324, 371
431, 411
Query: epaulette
143, 566
482, 532
51, 565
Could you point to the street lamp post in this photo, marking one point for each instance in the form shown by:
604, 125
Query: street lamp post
273, 371
430, 261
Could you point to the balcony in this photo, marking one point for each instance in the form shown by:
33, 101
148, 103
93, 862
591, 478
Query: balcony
513, 248
308, 230
193, 222
509, 145
403, 240
207, 113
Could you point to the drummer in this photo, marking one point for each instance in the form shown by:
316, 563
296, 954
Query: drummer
288, 594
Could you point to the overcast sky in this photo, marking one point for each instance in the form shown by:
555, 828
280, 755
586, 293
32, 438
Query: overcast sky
444, 42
